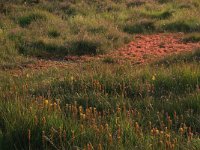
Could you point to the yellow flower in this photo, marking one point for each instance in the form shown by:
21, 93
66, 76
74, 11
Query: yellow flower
181, 130
157, 131
46, 102
72, 78
167, 135
153, 78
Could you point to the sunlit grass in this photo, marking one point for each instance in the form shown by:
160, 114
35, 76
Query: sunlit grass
100, 104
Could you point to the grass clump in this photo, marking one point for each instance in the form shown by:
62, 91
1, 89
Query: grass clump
193, 37
165, 14
141, 26
182, 26
135, 3
53, 33
86, 47
43, 49
109, 60
26, 20
181, 58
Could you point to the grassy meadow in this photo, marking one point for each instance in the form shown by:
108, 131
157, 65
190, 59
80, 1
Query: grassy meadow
100, 104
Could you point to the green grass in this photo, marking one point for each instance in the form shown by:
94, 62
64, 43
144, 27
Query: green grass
193, 37
100, 104
24, 21
142, 26
106, 24
112, 89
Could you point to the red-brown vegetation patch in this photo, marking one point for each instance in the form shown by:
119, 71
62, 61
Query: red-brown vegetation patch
146, 48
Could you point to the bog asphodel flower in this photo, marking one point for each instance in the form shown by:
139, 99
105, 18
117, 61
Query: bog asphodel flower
44, 120
157, 132
181, 130
106, 126
54, 105
71, 78
73, 136
36, 120
46, 102
167, 136
153, 78
99, 147
110, 138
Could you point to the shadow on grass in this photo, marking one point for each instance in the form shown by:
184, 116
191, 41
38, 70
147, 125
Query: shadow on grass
142, 26
181, 26
180, 58
43, 50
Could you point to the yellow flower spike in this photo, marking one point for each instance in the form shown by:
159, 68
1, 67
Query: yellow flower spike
36, 120
190, 135
67, 106
157, 132
46, 102
31, 108
44, 120
153, 78
80, 109
54, 105
172, 146
161, 142
82, 128
71, 78
110, 138
101, 128
84, 116
106, 127
161, 133
89, 146
150, 145
167, 136
150, 124
175, 115
152, 131
181, 130
1, 31
136, 125
166, 129
175, 140
100, 147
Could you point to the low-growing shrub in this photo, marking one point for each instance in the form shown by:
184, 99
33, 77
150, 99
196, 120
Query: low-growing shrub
53, 33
